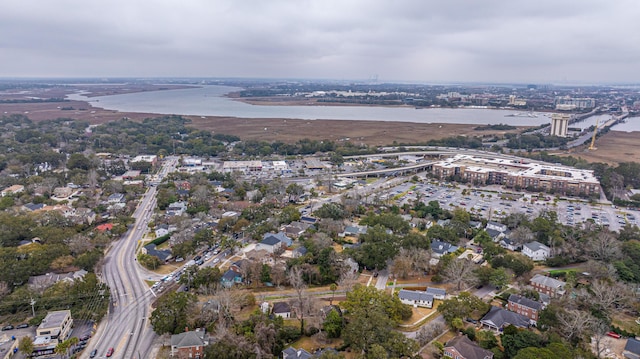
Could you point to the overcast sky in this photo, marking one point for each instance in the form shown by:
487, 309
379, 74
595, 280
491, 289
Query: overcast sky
540, 41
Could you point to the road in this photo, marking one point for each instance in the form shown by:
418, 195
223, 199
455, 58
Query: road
126, 327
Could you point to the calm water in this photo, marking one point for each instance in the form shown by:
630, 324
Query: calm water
632, 124
209, 101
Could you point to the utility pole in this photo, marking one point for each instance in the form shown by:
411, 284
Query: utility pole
33, 303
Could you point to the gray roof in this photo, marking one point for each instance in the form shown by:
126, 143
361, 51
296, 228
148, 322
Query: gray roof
293, 353
536, 246
281, 307
271, 240
468, 349
492, 232
499, 317
230, 275
188, 339
436, 291
415, 295
443, 247
547, 281
518, 299
633, 346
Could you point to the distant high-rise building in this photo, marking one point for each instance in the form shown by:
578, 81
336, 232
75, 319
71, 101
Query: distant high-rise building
559, 124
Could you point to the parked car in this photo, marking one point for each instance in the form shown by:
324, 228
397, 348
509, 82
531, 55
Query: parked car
7, 327
22, 326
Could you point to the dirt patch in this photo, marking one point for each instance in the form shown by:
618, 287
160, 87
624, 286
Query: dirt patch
612, 148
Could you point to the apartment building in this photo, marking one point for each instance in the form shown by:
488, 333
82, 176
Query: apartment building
518, 174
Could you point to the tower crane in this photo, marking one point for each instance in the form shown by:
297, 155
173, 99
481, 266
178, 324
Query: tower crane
593, 138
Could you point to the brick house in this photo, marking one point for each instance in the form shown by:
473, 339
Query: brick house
462, 347
525, 306
189, 344
547, 285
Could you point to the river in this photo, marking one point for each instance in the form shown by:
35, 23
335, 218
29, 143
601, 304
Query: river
210, 101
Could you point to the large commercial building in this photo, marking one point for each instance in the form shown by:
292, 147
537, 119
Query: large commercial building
519, 174
559, 124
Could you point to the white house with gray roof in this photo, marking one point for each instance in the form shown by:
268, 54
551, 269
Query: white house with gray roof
536, 251
416, 298
437, 293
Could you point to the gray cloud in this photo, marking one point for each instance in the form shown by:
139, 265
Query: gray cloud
406, 40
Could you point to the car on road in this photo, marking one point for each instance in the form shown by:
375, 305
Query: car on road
94, 353
109, 353
22, 326
7, 327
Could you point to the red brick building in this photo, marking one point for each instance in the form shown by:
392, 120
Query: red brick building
189, 344
525, 306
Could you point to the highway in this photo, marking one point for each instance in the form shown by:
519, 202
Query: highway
126, 327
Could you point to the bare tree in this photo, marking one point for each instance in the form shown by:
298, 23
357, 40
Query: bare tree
574, 323
599, 330
301, 302
604, 246
429, 332
521, 235
402, 265
459, 272
347, 280
4, 289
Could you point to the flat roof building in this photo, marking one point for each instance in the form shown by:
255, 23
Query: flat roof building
518, 174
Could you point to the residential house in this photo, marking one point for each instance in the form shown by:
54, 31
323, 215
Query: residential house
353, 231
62, 192
498, 318
296, 229
104, 227
497, 226
32, 207
438, 293
189, 344
270, 244
11, 190
632, 349
525, 306
299, 252
162, 254
547, 285
509, 244
475, 224
230, 277
293, 353
495, 235
536, 251
308, 219
176, 208
440, 248
42, 282
281, 309
443, 222
462, 347
282, 237
115, 198
416, 298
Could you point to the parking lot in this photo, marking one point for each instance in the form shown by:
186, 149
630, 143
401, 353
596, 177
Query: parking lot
495, 203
